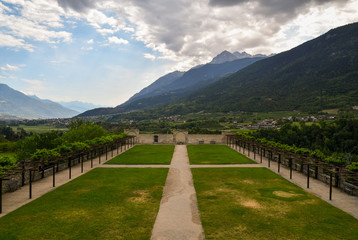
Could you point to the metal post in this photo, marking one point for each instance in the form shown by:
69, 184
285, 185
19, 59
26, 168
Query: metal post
99, 155
0, 195
30, 184
23, 176
248, 150
254, 152
330, 186
69, 169
290, 168
308, 176
117, 147
261, 155
121, 146
269, 159
53, 176
279, 163
81, 157
112, 151
106, 153
316, 172
91, 162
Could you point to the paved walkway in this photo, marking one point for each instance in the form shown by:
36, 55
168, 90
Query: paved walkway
340, 199
178, 216
13, 200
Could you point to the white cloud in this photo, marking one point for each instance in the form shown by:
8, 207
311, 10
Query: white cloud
10, 41
9, 67
34, 86
149, 56
90, 41
192, 32
87, 48
39, 20
116, 40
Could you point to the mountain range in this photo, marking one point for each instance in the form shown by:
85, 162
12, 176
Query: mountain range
16, 104
175, 85
319, 74
316, 75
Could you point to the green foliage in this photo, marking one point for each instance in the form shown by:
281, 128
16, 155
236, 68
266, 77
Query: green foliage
7, 146
81, 132
44, 154
6, 163
353, 166
29, 145
304, 132
64, 148
79, 146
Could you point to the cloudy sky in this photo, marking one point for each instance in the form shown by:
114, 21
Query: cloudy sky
105, 51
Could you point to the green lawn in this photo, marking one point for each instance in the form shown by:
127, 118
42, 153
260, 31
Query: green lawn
215, 154
102, 204
145, 154
255, 203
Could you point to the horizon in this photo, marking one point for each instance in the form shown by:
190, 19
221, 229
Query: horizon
103, 52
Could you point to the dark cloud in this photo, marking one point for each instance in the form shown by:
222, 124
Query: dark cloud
226, 3
77, 5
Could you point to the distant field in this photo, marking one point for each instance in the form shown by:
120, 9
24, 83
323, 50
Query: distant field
331, 111
39, 128
7, 154
145, 154
255, 203
215, 154
102, 204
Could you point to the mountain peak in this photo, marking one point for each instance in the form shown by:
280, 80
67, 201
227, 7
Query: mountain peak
225, 56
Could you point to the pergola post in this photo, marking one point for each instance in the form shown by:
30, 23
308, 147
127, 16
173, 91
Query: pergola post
53, 176
278, 162
30, 184
308, 176
330, 186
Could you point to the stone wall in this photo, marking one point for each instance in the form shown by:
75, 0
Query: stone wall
179, 137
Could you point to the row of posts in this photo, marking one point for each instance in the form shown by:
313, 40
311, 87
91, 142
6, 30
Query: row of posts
237, 143
128, 142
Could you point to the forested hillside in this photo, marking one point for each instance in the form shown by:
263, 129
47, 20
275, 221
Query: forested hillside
319, 74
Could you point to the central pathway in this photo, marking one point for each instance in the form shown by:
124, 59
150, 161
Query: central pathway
178, 216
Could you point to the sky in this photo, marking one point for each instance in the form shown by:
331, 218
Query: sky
105, 51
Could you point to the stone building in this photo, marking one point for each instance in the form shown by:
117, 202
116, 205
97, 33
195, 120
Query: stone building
178, 137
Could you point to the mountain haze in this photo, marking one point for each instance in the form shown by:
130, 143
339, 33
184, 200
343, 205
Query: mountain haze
19, 105
79, 106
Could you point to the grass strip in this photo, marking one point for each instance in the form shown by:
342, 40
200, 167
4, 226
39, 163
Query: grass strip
255, 203
102, 204
145, 154
215, 154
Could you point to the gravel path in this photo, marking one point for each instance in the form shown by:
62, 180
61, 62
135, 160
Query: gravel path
13, 200
340, 199
178, 216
